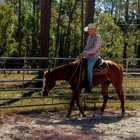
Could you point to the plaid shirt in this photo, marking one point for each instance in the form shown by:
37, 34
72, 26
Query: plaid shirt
93, 46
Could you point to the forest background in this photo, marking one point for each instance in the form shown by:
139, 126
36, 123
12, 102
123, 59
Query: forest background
54, 28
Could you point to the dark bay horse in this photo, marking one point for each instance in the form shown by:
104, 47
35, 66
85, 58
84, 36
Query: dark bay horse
71, 73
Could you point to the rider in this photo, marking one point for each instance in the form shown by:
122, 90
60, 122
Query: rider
91, 52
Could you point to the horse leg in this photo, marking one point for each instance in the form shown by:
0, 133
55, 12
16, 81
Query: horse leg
119, 90
71, 106
79, 106
104, 86
75, 97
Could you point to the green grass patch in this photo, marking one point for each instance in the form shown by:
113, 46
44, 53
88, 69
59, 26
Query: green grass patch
15, 76
22, 98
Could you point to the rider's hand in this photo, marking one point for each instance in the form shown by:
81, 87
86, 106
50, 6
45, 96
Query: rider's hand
82, 55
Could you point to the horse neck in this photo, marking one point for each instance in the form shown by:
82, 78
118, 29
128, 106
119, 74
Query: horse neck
64, 72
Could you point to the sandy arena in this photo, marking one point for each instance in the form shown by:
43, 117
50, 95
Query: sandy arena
54, 126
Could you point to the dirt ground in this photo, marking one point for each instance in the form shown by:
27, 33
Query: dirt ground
54, 126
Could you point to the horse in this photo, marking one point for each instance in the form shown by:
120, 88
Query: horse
71, 72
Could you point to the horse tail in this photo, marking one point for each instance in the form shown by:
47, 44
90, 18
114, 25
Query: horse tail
121, 68
121, 72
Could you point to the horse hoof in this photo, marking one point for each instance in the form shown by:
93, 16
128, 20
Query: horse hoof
84, 115
123, 114
68, 115
101, 113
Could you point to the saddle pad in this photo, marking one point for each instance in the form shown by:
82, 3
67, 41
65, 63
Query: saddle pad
101, 71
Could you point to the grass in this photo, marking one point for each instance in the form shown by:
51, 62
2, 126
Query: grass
15, 76
16, 97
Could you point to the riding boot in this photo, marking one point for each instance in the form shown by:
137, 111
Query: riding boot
88, 89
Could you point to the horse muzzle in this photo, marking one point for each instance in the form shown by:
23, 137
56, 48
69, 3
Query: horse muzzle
45, 92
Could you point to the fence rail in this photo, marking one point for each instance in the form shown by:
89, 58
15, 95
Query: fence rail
16, 96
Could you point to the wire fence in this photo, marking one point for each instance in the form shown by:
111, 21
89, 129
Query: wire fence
19, 77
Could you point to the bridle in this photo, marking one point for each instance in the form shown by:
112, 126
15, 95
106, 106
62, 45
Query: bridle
49, 81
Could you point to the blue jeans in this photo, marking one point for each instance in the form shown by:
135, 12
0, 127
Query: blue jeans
90, 65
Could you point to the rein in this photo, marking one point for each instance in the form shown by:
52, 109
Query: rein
75, 72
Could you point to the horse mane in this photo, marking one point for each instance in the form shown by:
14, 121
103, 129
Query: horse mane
67, 66
73, 65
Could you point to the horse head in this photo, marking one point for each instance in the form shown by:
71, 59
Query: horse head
48, 82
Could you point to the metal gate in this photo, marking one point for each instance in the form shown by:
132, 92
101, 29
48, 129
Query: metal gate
21, 91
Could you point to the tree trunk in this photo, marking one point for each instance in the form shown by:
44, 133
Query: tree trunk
82, 26
90, 8
125, 32
19, 34
33, 50
57, 44
44, 33
67, 41
19, 29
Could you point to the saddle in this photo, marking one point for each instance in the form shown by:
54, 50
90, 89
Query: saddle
100, 67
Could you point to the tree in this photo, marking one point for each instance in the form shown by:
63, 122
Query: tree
19, 30
44, 33
112, 41
126, 19
67, 41
67, 21
57, 30
35, 30
90, 8
7, 20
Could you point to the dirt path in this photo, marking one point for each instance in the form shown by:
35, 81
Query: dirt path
54, 126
